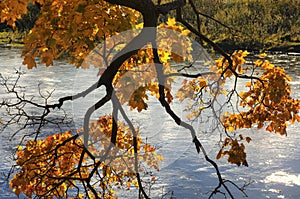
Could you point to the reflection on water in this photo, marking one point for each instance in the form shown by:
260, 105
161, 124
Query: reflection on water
284, 178
274, 161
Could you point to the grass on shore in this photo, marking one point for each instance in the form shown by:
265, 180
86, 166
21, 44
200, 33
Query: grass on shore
12, 38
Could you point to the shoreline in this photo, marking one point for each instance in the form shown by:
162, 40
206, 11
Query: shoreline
285, 47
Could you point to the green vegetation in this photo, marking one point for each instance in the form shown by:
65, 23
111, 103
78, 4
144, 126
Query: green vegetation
12, 38
254, 24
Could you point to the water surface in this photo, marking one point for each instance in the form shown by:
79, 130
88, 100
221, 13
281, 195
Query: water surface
274, 161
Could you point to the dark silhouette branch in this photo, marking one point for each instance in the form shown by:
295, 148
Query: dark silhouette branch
164, 103
124, 115
167, 7
150, 13
189, 75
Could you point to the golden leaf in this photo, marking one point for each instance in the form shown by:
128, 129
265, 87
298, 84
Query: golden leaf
262, 55
171, 21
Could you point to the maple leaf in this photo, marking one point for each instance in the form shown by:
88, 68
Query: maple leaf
171, 22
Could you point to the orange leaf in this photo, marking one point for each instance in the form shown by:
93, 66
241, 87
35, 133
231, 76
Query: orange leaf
248, 139
269, 128
297, 118
29, 61
220, 154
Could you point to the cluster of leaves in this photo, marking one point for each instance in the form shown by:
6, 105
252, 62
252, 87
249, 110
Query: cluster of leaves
137, 77
13, 10
267, 102
142, 77
236, 154
52, 167
100, 132
45, 162
68, 27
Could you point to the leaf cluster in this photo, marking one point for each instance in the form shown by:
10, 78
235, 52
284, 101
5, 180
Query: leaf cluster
56, 166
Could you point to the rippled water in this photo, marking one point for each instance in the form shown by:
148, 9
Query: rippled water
274, 161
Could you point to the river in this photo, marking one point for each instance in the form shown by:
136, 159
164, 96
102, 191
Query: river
274, 161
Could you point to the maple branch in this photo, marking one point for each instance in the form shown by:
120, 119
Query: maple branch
167, 7
118, 104
18, 109
90, 111
202, 37
189, 75
150, 20
199, 146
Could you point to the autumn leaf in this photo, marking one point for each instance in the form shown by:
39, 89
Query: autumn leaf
262, 55
248, 139
58, 156
171, 22
236, 153
29, 61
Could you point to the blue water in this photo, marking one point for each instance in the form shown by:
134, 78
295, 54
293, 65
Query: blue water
274, 161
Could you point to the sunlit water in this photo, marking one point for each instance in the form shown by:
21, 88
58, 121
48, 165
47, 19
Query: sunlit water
274, 161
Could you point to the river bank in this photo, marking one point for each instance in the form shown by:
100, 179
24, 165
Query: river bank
15, 40
284, 47
12, 38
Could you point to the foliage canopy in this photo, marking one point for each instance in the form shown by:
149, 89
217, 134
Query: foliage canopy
52, 166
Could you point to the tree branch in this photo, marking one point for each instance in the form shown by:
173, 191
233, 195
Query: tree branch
167, 7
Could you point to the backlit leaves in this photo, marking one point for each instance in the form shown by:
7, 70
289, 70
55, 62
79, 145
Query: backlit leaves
268, 101
223, 67
265, 102
74, 28
43, 162
236, 152
53, 166
50, 167
137, 76
12, 10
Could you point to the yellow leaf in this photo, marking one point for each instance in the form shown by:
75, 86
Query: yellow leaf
230, 128
128, 184
171, 21
112, 191
185, 32
269, 128
139, 26
262, 55
245, 53
45, 49
248, 84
